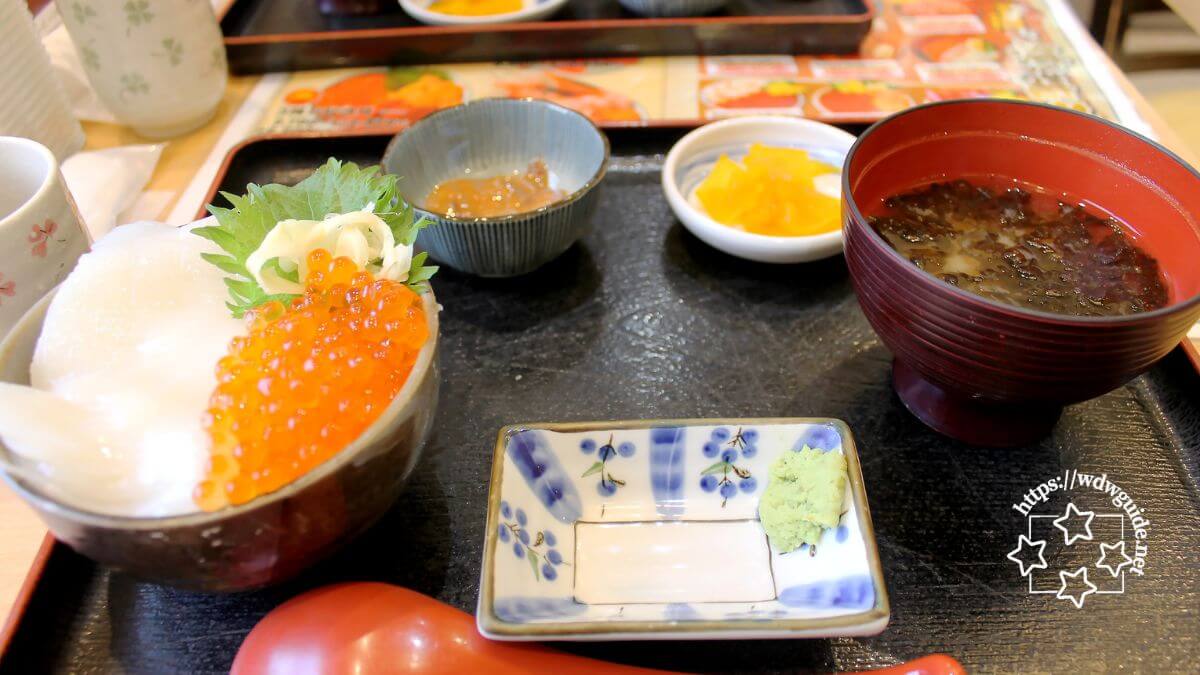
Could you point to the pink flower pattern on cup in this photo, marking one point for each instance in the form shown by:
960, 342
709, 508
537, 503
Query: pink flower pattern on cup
41, 235
7, 287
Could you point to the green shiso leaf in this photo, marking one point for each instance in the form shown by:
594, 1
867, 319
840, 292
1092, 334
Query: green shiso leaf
336, 187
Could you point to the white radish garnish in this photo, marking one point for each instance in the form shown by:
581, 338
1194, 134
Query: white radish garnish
361, 236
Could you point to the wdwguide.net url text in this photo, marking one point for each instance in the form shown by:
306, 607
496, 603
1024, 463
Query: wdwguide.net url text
1072, 479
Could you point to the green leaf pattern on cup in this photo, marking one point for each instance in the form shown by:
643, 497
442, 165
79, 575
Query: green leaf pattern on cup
137, 13
217, 59
138, 53
91, 60
82, 12
174, 51
133, 84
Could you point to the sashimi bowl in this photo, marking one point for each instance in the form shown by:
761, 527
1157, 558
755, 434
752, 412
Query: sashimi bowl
268, 539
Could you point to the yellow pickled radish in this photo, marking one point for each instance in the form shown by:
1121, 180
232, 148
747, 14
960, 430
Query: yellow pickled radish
771, 192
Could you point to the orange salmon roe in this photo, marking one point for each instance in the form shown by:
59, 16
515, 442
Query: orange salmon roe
307, 379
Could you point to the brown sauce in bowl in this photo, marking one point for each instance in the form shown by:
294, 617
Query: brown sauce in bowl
1022, 248
506, 194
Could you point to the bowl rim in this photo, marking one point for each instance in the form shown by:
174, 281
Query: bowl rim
24, 210
422, 13
422, 368
576, 195
742, 238
928, 280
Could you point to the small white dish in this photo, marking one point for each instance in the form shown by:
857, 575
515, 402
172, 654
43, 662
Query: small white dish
648, 530
692, 157
531, 10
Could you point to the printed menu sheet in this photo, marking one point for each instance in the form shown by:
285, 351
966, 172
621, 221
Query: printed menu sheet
917, 51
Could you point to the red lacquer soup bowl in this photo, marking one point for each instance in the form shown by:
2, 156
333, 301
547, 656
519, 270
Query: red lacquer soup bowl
989, 373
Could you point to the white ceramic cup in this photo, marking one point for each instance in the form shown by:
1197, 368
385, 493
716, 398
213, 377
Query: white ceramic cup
158, 66
41, 236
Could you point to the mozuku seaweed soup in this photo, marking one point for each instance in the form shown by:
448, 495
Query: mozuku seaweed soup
1018, 246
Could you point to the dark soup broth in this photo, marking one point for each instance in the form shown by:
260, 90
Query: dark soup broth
1021, 247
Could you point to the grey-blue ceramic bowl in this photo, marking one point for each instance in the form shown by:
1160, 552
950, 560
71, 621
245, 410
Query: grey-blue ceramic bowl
487, 137
672, 8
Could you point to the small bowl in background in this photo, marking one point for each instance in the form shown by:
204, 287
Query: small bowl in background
531, 10
693, 156
672, 8
268, 539
489, 136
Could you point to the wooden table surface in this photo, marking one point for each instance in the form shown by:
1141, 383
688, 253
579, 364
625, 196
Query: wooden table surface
22, 535
1188, 10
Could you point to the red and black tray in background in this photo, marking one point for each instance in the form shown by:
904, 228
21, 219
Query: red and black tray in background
286, 35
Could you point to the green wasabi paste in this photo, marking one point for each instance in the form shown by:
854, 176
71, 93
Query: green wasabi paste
803, 497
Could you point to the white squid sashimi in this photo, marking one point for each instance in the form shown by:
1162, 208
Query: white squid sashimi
130, 343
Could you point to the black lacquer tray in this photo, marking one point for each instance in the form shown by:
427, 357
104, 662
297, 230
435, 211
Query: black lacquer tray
286, 35
641, 320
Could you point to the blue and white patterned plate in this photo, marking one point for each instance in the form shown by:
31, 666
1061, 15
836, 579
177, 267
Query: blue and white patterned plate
649, 530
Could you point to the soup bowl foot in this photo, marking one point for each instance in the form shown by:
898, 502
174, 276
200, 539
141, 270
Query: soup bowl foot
971, 420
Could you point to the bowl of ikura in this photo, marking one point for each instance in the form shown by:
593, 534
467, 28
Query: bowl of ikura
217, 406
1017, 257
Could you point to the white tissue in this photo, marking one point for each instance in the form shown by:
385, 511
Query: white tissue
105, 183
